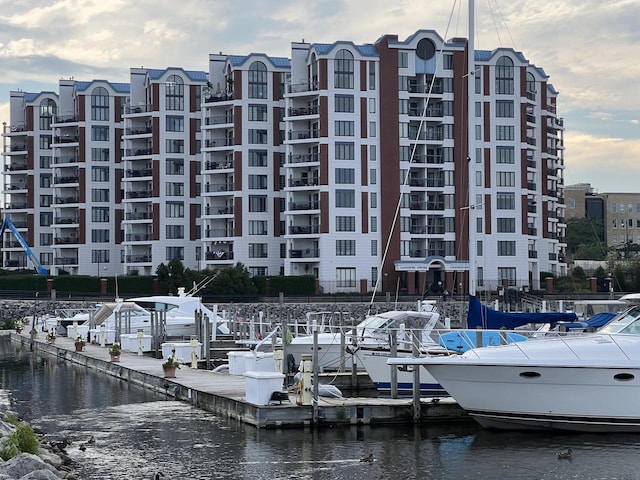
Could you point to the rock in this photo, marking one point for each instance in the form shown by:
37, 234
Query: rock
41, 475
24, 464
51, 458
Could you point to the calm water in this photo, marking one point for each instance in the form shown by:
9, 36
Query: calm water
137, 434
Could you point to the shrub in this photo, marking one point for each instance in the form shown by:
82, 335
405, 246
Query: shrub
22, 440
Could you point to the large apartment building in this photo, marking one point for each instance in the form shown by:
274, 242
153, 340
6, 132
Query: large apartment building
366, 166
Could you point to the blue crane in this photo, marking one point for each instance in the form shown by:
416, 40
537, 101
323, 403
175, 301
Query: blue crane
8, 224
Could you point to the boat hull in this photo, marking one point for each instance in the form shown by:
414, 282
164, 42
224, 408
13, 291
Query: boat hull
590, 384
375, 363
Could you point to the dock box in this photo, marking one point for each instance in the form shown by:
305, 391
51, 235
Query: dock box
259, 362
260, 386
129, 342
236, 362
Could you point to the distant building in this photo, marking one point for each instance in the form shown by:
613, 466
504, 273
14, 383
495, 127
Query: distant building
346, 162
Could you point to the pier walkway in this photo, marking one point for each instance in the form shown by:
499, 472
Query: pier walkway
224, 394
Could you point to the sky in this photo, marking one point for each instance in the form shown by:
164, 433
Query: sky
589, 48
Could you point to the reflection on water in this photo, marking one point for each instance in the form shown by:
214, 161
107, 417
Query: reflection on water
122, 432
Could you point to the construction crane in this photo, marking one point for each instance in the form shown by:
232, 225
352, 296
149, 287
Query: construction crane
8, 224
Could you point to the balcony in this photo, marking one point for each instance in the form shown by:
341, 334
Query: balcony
533, 254
298, 112
304, 230
65, 200
138, 237
138, 215
67, 138
138, 131
310, 86
66, 261
62, 159
218, 165
138, 152
16, 167
218, 120
139, 258
311, 205
66, 241
219, 97
305, 158
304, 253
143, 172
219, 255
302, 134
65, 220
143, 108
72, 118
303, 182
67, 179
139, 194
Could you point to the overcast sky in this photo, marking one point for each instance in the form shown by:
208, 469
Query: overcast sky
589, 48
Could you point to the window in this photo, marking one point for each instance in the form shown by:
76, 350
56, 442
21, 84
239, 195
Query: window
447, 61
373, 176
403, 59
504, 76
175, 123
175, 146
99, 194
100, 256
45, 162
505, 155
345, 176
258, 250
175, 189
100, 214
257, 227
343, 69
175, 209
46, 239
506, 201
345, 248
100, 236
344, 128
504, 108
46, 219
45, 142
257, 203
257, 158
257, 271
100, 174
344, 103
345, 151
45, 180
373, 130
100, 154
175, 232
100, 104
373, 200
505, 179
345, 277
174, 93
46, 200
257, 80
345, 198
504, 132
175, 253
508, 273
257, 136
531, 85
374, 248
258, 182
372, 75
506, 225
257, 113
47, 111
506, 248
175, 166
373, 224
100, 133
345, 224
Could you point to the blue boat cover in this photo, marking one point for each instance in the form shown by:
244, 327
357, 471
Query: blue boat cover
485, 317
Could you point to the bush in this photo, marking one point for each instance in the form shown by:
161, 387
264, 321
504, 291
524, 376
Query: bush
23, 440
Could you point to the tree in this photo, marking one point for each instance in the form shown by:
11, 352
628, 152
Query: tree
233, 281
585, 237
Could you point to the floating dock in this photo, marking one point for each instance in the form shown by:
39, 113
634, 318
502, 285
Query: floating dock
225, 395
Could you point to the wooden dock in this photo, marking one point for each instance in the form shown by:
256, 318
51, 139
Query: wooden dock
224, 394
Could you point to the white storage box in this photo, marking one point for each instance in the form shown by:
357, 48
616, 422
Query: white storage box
183, 351
74, 330
260, 386
97, 334
236, 362
259, 362
129, 342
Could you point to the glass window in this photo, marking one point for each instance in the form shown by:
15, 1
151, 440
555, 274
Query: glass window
345, 277
175, 189
345, 151
257, 113
257, 227
506, 225
258, 136
175, 231
100, 194
504, 76
99, 214
175, 166
344, 128
505, 201
344, 103
258, 182
345, 198
175, 253
504, 108
175, 123
257, 158
505, 154
100, 104
47, 111
372, 75
343, 69
345, 224
508, 273
175, 145
174, 93
174, 209
403, 59
100, 236
100, 133
345, 248
100, 154
506, 248
258, 250
505, 132
257, 203
505, 179
100, 174
257, 80
345, 176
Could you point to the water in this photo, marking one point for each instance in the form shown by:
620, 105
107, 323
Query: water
120, 431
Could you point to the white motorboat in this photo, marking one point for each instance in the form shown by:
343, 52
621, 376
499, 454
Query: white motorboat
374, 331
136, 313
584, 382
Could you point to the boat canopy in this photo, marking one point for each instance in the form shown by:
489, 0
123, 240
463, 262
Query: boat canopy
485, 317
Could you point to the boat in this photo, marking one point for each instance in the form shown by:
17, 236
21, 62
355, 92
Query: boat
136, 313
588, 382
335, 347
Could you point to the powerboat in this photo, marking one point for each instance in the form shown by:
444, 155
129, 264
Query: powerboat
580, 382
373, 332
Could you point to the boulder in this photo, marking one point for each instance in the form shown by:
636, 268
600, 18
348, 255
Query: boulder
24, 464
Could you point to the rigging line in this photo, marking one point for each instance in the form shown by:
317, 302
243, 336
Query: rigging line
495, 24
411, 159
504, 23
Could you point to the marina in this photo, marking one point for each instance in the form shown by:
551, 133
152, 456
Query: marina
226, 395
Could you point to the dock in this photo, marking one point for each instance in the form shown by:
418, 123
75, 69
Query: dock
225, 395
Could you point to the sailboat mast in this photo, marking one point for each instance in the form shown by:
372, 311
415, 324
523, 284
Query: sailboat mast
473, 204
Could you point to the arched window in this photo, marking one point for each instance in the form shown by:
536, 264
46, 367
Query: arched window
174, 93
257, 80
343, 66
314, 72
47, 111
504, 76
100, 104
531, 85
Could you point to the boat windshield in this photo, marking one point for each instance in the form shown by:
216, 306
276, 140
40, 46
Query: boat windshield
627, 322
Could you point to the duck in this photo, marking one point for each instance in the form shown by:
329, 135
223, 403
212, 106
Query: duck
368, 459
565, 454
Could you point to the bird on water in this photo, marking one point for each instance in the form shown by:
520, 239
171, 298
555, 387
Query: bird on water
565, 454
